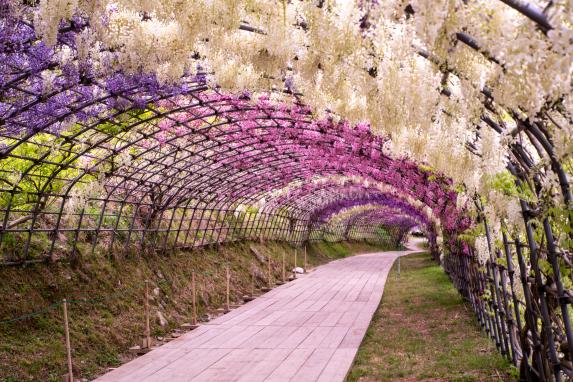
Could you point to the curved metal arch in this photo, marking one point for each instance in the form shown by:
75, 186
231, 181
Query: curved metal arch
340, 197
382, 200
395, 221
301, 192
136, 186
174, 138
32, 99
142, 138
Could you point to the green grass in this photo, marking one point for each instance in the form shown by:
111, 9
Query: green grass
423, 331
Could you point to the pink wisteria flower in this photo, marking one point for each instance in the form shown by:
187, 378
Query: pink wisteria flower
165, 124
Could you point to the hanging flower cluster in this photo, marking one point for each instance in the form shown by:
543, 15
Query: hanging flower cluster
357, 59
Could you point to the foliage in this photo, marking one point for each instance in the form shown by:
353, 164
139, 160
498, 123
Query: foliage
37, 167
505, 183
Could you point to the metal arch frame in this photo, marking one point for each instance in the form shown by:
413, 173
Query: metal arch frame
395, 220
396, 225
161, 165
125, 198
299, 190
335, 197
381, 212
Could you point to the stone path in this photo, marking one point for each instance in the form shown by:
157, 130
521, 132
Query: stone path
306, 330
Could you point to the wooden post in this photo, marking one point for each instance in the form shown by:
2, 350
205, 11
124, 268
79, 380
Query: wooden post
398, 266
70, 377
284, 267
305, 265
269, 271
228, 307
294, 269
194, 298
147, 326
253, 283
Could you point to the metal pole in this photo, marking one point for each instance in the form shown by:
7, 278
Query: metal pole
68, 346
552, 254
511, 275
530, 316
531, 11
305, 264
294, 269
538, 283
269, 271
253, 283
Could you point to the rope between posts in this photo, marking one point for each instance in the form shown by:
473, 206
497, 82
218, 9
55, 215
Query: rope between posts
54, 306
80, 301
32, 314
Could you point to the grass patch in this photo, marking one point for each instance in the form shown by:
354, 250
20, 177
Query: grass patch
423, 331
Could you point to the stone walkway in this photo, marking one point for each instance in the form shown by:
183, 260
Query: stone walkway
306, 330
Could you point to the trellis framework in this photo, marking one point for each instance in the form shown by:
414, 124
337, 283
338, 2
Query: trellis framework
95, 162
194, 177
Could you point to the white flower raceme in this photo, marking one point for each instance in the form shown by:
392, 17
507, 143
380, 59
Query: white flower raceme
482, 249
81, 194
49, 15
514, 215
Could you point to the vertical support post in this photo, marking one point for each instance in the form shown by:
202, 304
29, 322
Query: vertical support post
253, 284
538, 282
530, 317
305, 263
491, 280
515, 301
510, 323
194, 298
294, 269
284, 267
398, 266
228, 305
270, 281
146, 309
68, 345
552, 254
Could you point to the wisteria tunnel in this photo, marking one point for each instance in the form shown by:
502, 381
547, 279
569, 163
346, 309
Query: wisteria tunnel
131, 126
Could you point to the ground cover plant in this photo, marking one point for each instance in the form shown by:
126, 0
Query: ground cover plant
424, 331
